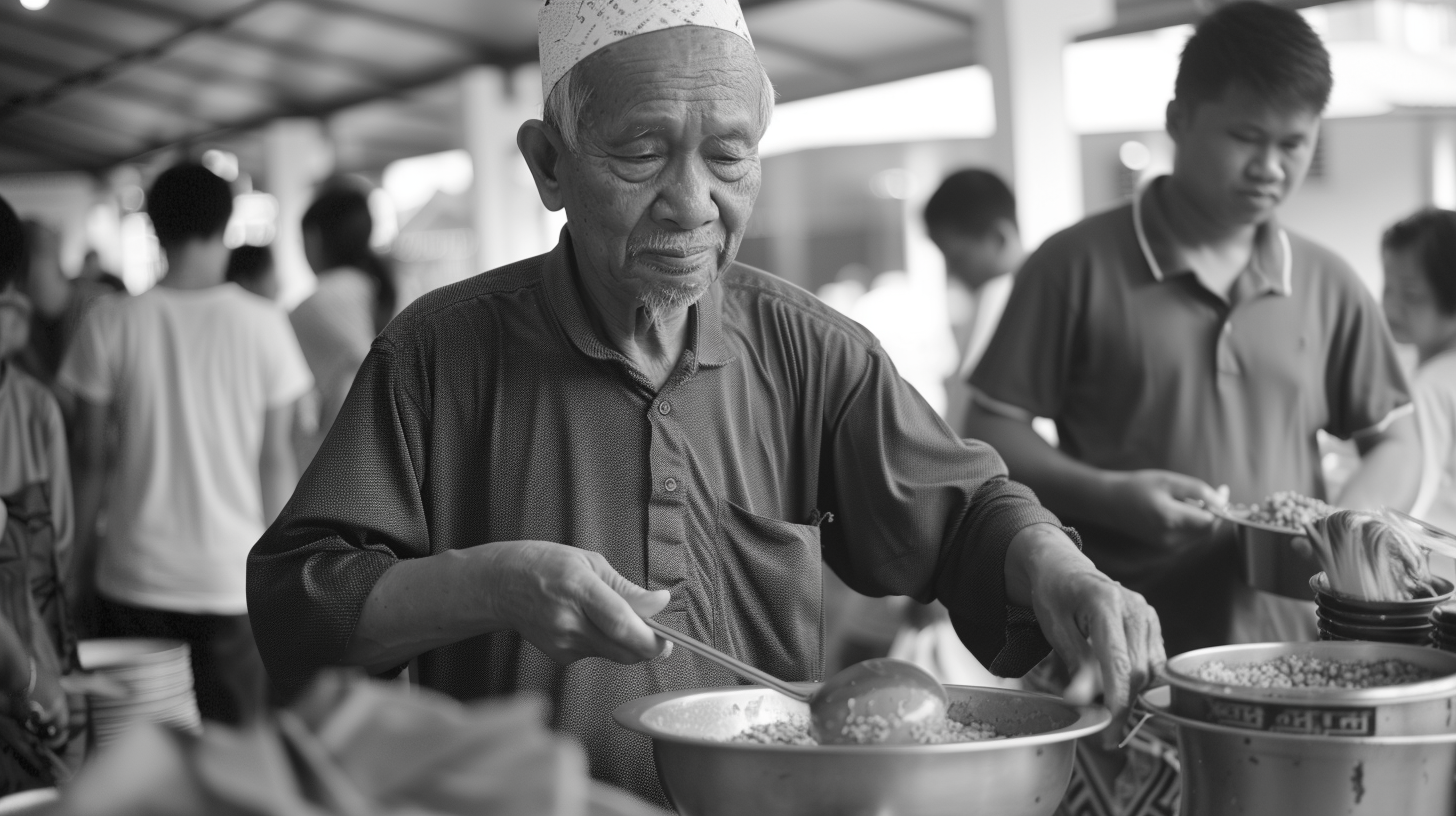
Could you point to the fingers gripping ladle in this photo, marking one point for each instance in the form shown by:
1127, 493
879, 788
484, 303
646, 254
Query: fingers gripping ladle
893, 699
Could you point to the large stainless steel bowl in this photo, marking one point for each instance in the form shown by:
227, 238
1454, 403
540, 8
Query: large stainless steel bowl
1229, 770
1428, 707
1021, 775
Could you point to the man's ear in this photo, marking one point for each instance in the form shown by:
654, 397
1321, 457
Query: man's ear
1175, 117
543, 150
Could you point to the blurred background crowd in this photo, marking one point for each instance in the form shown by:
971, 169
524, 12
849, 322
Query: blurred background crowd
331, 161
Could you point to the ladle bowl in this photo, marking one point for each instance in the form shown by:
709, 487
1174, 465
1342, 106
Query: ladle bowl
883, 700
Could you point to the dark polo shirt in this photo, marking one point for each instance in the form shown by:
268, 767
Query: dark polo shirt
1141, 366
492, 410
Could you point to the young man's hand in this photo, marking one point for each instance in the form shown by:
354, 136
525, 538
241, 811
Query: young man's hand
1153, 506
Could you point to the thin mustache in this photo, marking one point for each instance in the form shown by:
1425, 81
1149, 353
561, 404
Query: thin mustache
672, 248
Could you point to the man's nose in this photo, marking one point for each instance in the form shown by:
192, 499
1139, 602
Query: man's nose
686, 198
1268, 165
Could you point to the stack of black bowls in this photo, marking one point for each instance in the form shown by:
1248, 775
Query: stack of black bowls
1342, 617
1443, 637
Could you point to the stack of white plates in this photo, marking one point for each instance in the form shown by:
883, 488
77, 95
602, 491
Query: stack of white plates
157, 675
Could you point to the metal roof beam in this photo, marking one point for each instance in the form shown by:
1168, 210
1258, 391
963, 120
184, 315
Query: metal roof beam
119, 63
392, 20
60, 30
966, 21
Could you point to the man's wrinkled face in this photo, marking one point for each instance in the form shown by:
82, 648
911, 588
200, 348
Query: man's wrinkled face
661, 192
1242, 155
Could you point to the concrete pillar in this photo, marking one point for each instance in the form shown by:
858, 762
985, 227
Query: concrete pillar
510, 222
1443, 164
485, 126
789, 211
297, 156
1034, 144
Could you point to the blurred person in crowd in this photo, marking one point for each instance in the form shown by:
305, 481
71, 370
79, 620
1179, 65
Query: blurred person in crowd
923, 351
252, 268
202, 379
36, 525
60, 302
971, 219
354, 300
1419, 256
93, 271
633, 424
1188, 340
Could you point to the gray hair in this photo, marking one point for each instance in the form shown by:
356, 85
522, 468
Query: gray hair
566, 104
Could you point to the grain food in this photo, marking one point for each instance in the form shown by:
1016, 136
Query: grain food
1286, 509
1296, 671
870, 730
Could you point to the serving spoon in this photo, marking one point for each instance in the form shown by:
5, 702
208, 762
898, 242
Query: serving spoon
881, 700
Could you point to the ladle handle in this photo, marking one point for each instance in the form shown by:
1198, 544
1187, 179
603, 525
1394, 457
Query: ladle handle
728, 662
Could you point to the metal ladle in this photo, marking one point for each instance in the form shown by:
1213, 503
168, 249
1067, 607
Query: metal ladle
884, 695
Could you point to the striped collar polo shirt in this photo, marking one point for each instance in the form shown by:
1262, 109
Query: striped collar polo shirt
1109, 333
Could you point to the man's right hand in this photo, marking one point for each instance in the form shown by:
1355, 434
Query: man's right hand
570, 603
1150, 505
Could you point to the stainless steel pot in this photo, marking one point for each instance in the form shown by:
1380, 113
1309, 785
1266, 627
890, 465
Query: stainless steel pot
1234, 771
1428, 707
704, 776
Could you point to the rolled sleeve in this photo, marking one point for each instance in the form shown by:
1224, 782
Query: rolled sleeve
925, 514
357, 511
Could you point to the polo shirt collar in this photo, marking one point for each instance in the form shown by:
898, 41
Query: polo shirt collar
707, 342
1272, 261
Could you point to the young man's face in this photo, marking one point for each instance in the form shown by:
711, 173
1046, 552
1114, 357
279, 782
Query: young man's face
1240, 156
14, 321
1410, 305
969, 258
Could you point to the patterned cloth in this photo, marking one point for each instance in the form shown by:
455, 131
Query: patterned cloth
572, 30
492, 410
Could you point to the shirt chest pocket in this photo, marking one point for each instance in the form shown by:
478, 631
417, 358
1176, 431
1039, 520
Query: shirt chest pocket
770, 593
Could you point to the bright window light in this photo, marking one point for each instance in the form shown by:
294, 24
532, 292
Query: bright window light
955, 104
1135, 156
412, 182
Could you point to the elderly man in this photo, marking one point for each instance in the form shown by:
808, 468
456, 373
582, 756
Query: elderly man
634, 425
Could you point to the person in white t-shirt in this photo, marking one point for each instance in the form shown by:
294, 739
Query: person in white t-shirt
1419, 256
200, 377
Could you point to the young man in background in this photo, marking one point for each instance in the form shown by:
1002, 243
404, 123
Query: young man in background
971, 219
1420, 303
202, 378
1187, 342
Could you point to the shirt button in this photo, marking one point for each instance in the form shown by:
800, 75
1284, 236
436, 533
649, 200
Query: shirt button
669, 484
664, 407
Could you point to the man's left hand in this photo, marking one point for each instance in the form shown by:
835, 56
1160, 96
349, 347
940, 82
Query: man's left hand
1086, 616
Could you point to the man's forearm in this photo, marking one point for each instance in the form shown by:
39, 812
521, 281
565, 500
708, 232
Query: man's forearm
1067, 487
1036, 549
419, 605
1390, 471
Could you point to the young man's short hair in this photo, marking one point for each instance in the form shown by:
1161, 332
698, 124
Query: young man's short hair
1270, 50
1431, 235
189, 201
970, 202
12, 246
247, 264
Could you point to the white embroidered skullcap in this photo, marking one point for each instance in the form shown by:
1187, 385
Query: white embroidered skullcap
572, 30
